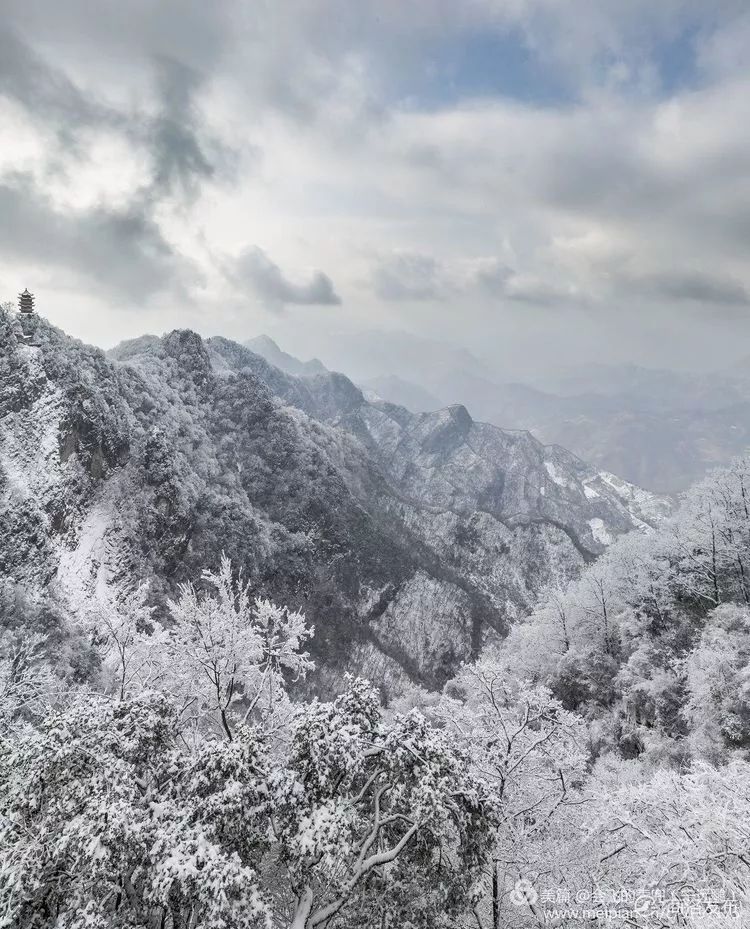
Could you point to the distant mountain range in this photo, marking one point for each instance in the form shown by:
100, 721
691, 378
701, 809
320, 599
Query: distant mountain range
268, 349
409, 539
663, 431
659, 429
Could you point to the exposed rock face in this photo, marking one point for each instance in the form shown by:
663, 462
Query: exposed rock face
409, 540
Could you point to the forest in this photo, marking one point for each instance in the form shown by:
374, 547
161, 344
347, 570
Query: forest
593, 763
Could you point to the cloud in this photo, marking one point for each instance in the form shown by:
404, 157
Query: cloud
492, 276
397, 131
421, 277
123, 253
497, 279
127, 249
48, 93
691, 286
182, 151
184, 154
407, 276
253, 269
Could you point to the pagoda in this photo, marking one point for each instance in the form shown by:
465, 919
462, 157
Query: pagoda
26, 303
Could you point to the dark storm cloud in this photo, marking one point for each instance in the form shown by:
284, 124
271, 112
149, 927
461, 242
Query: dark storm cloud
123, 253
255, 270
179, 155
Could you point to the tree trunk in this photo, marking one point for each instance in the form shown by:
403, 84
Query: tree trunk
495, 897
304, 905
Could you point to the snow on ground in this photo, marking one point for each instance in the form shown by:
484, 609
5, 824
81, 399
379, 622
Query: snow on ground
642, 503
34, 474
599, 531
555, 475
591, 494
83, 571
29, 442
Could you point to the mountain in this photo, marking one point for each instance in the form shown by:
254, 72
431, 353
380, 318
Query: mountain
409, 540
264, 346
659, 429
364, 354
396, 390
389, 387
651, 389
665, 451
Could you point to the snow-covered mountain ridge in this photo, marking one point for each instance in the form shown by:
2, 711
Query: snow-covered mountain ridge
410, 540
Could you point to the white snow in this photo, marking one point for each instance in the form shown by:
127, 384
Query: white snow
641, 503
555, 475
599, 531
591, 494
83, 571
29, 451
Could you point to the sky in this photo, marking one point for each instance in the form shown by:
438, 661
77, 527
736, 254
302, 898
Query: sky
540, 182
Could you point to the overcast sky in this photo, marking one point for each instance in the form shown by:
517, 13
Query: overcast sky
539, 181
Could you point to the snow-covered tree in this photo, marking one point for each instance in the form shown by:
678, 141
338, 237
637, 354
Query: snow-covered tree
182, 788
129, 644
382, 818
532, 755
107, 821
27, 683
718, 685
227, 653
675, 836
224, 655
111, 818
